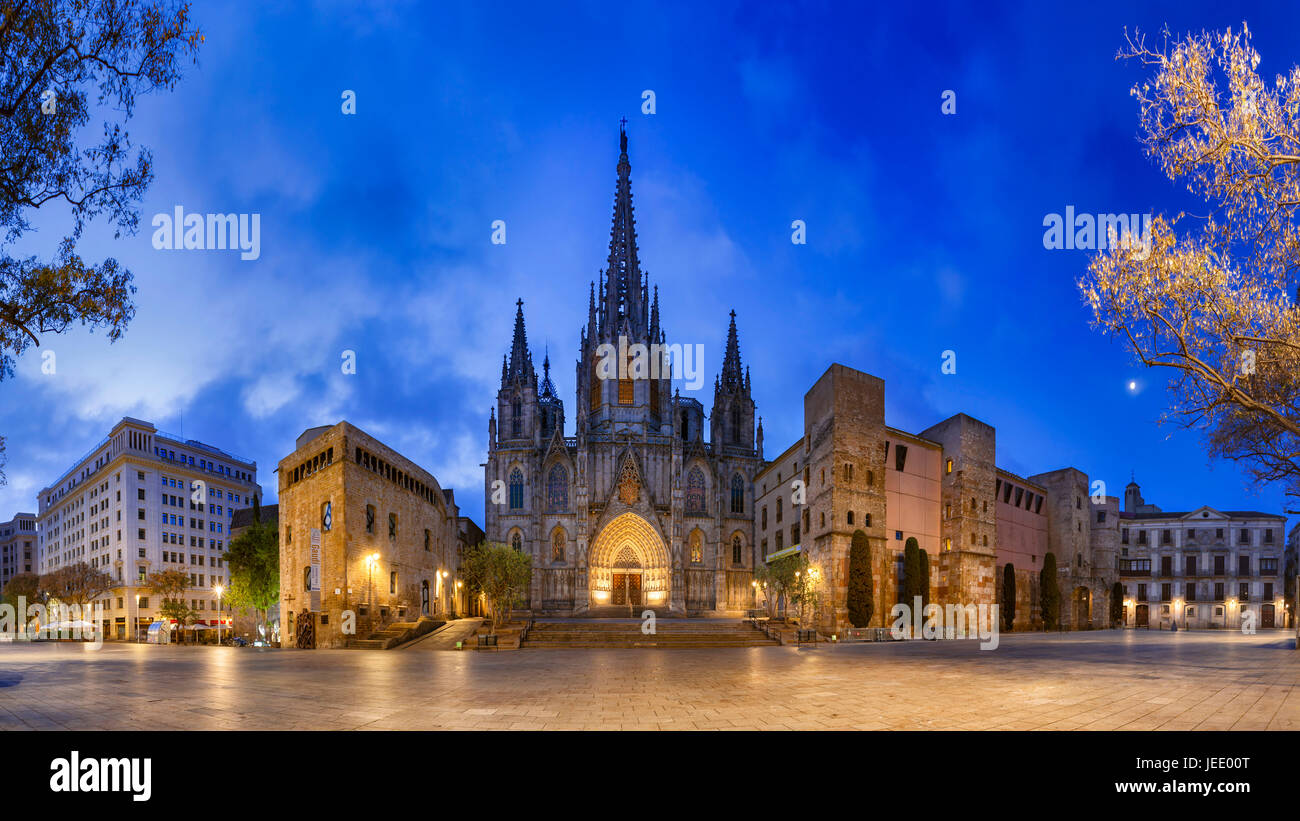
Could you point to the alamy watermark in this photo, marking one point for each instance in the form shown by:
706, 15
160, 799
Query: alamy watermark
952, 621
654, 361
1089, 232
208, 232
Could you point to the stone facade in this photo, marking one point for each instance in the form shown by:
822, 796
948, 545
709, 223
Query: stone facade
941, 487
18, 553
388, 536
1204, 568
639, 508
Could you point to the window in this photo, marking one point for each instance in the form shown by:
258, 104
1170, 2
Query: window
370, 518
736, 550
392, 525
516, 489
557, 489
850, 517
557, 545
947, 466
517, 541
737, 494
764, 516
900, 457
695, 493
392, 582
625, 393
697, 546
427, 539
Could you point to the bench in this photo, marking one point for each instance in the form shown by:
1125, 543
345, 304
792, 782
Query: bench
487, 641
801, 636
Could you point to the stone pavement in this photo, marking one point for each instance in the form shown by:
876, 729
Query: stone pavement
445, 637
1095, 680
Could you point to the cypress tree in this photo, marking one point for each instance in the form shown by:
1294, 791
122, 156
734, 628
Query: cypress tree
911, 572
1008, 597
1049, 593
1116, 604
861, 601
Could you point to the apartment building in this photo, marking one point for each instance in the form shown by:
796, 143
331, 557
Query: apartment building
17, 547
1200, 568
141, 501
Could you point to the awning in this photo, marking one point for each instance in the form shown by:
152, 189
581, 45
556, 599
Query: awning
781, 554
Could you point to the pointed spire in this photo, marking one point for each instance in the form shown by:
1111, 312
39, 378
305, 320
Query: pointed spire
548, 387
732, 376
521, 361
623, 292
654, 317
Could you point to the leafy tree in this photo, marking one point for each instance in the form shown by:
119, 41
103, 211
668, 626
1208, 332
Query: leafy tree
27, 585
55, 55
1116, 604
911, 571
1049, 593
253, 561
1008, 597
77, 584
501, 574
171, 586
1210, 297
861, 598
781, 578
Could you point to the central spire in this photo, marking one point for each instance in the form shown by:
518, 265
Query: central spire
624, 289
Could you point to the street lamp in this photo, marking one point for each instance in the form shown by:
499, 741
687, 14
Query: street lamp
219, 589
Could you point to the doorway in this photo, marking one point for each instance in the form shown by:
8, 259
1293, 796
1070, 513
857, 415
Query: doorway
626, 589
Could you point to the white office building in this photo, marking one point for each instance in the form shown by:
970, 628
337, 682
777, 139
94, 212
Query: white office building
128, 507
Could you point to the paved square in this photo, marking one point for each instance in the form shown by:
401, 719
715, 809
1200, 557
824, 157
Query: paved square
1096, 681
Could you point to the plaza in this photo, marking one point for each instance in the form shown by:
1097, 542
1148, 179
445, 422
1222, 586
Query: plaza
1090, 680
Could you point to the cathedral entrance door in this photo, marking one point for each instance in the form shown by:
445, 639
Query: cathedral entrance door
634, 590
618, 595
626, 589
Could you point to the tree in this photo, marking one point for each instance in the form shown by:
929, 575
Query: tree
911, 571
54, 54
778, 579
26, 585
1049, 593
1209, 297
1116, 604
253, 561
501, 574
1008, 597
77, 584
861, 598
171, 586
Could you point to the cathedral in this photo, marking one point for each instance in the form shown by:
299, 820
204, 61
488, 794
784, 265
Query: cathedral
639, 509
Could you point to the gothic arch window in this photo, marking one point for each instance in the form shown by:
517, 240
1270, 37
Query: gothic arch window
516, 489
516, 418
558, 542
736, 549
557, 488
517, 541
625, 393
737, 494
697, 547
686, 425
695, 491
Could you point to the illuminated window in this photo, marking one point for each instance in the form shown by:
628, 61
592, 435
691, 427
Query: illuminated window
557, 545
695, 491
625, 391
697, 547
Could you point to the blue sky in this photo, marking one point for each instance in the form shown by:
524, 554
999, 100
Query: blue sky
924, 230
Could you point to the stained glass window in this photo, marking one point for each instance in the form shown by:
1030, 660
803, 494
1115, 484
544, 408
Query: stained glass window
736, 549
516, 489
557, 489
737, 494
695, 491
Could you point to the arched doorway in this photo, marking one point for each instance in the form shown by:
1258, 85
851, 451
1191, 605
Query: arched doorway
629, 564
1082, 608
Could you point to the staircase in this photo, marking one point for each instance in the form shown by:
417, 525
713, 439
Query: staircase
626, 633
396, 633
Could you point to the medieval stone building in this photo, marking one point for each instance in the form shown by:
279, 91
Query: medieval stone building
640, 508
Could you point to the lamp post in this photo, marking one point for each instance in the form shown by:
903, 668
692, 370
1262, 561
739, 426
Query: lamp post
219, 589
135, 627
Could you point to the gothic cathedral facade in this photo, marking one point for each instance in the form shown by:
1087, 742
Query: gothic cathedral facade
638, 510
